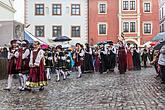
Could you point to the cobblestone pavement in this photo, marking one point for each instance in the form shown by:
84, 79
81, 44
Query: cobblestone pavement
135, 90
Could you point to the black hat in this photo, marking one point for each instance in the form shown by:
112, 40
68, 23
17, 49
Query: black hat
13, 42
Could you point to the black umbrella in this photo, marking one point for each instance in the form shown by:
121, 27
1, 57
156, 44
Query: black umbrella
159, 45
62, 39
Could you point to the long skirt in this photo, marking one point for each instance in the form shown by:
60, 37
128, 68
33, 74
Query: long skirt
111, 61
136, 61
88, 63
97, 64
122, 60
129, 61
37, 77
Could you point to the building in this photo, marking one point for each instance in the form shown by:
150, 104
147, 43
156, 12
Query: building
48, 19
137, 20
9, 29
162, 15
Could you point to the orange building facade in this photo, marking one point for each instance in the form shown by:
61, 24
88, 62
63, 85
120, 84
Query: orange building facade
138, 20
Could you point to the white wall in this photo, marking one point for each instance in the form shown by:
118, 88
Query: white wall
5, 14
66, 20
19, 7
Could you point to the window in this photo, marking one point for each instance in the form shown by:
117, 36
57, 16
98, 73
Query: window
39, 31
102, 29
162, 12
126, 27
147, 7
57, 31
147, 28
75, 10
125, 5
56, 9
132, 27
162, 29
132, 5
75, 31
102, 8
39, 9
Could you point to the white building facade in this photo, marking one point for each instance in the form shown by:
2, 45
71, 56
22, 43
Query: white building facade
7, 11
48, 19
162, 15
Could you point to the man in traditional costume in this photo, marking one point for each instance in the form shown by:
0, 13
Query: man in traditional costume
12, 59
48, 63
22, 64
37, 76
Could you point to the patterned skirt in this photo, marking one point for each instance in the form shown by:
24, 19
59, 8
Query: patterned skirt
37, 77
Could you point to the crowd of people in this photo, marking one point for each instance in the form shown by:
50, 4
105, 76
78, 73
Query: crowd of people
34, 64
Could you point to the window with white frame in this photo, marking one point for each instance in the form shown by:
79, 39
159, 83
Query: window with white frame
102, 29
132, 26
147, 28
102, 8
147, 7
57, 31
132, 5
129, 5
125, 5
129, 26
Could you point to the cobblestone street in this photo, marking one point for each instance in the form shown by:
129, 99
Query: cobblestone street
136, 90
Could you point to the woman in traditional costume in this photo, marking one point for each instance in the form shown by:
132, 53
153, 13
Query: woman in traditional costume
122, 58
12, 59
88, 60
136, 58
79, 58
37, 76
60, 62
129, 57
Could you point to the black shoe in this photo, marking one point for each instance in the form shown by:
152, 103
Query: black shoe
163, 82
7, 89
28, 89
57, 80
41, 88
22, 89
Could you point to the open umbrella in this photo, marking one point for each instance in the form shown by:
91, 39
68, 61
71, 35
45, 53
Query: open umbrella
62, 39
154, 43
159, 36
159, 45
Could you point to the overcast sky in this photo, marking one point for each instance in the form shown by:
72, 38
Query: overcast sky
19, 7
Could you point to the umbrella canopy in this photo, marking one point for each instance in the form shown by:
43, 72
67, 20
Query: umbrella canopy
154, 43
159, 45
158, 37
62, 39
